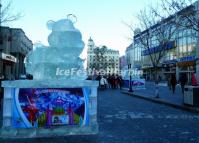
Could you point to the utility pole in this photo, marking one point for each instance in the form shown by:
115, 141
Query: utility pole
130, 81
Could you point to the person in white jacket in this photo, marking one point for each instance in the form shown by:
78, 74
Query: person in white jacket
102, 82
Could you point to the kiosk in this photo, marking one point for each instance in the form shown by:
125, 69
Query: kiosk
191, 95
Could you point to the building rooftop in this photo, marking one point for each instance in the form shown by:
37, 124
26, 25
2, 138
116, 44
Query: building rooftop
190, 7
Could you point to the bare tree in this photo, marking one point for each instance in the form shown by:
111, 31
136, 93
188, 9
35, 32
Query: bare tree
100, 62
184, 11
6, 15
157, 38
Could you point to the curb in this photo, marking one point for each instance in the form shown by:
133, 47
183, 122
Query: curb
160, 101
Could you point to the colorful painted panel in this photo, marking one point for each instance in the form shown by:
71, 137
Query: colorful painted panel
46, 107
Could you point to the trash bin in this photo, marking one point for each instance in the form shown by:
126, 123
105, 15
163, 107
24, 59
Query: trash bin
191, 95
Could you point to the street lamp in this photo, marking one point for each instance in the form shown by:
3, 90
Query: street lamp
130, 81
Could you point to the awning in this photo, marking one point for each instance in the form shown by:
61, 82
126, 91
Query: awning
188, 63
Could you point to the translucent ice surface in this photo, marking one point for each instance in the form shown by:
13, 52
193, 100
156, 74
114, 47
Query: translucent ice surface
59, 60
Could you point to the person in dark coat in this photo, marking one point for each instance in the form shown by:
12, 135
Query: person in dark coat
120, 81
1, 92
169, 82
183, 81
173, 83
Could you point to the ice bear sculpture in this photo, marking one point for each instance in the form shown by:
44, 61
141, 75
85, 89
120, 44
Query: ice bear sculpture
62, 54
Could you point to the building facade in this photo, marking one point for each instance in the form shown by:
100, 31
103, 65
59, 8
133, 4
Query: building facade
123, 63
14, 46
133, 60
108, 61
180, 54
129, 55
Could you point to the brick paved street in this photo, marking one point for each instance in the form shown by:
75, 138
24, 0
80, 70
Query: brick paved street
126, 119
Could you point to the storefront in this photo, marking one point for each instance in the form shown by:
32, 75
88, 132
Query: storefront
187, 65
149, 73
169, 68
7, 63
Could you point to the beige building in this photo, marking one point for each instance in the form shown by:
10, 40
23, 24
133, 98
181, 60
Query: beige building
14, 46
102, 58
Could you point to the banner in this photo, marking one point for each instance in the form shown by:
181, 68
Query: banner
136, 84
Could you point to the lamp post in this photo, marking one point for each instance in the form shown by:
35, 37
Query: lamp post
130, 81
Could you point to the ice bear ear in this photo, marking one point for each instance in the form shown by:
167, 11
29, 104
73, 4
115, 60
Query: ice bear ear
50, 24
72, 17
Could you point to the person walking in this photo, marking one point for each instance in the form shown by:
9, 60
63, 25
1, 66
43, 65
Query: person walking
183, 81
105, 82
98, 78
1, 92
1, 96
169, 82
102, 83
113, 81
109, 81
173, 83
194, 80
120, 81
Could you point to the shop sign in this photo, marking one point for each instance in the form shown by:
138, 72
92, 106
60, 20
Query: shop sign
186, 59
169, 45
8, 57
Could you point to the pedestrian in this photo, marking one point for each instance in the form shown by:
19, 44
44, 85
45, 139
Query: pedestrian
102, 83
183, 81
120, 82
105, 83
169, 82
159, 79
173, 83
116, 82
109, 81
1, 92
194, 80
98, 78
1, 96
113, 81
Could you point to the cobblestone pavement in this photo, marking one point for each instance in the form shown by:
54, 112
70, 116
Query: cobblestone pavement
125, 119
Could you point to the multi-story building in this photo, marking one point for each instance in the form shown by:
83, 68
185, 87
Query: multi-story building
129, 54
108, 61
14, 46
180, 56
123, 63
133, 59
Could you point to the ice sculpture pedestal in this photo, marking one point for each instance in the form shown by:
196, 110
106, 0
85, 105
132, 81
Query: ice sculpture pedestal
9, 128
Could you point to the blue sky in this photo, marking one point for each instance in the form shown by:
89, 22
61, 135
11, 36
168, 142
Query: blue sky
100, 19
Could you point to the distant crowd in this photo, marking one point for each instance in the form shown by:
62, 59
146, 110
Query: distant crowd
110, 81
